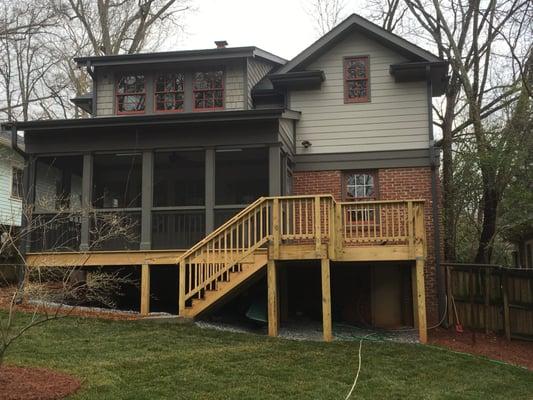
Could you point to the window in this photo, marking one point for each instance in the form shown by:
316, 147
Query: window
208, 90
356, 73
131, 95
360, 186
169, 92
16, 183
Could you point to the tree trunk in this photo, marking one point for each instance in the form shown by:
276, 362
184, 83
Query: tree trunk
490, 208
449, 214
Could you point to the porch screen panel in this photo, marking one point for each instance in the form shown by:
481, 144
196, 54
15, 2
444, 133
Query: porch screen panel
56, 223
179, 178
178, 216
241, 176
117, 181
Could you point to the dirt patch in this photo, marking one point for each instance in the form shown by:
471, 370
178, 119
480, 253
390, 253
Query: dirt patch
517, 352
24, 383
6, 294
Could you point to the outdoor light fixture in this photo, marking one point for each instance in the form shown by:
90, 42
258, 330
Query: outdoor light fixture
306, 144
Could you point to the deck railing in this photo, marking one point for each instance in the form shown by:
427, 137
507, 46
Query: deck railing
316, 220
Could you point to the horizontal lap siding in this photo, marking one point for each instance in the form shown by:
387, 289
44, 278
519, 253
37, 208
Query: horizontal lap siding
394, 119
10, 208
105, 94
286, 130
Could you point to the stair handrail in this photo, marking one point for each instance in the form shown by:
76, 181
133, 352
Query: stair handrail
220, 229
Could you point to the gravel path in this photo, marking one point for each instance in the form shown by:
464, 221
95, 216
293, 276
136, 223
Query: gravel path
312, 331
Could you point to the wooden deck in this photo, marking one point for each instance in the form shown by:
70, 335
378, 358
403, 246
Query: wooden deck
273, 229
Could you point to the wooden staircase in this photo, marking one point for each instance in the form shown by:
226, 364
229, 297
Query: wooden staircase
295, 227
227, 283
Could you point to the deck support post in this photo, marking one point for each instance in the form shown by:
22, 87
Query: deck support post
181, 291
326, 300
419, 299
273, 299
145, 289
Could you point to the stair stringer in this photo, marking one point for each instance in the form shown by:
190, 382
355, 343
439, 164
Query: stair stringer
225, 288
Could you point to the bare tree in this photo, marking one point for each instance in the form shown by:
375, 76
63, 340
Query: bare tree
51, 293
125, 26
390, 14
25, 61
326, 14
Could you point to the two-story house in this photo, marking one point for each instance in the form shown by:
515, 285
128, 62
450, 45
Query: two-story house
316, 176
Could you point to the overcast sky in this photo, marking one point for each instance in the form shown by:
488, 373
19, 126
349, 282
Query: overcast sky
279, 26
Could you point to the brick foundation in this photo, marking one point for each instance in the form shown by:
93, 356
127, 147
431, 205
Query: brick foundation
393, 184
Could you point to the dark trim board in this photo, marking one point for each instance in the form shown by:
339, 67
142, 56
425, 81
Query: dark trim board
363, 160
192, 118
182, 56
111, 139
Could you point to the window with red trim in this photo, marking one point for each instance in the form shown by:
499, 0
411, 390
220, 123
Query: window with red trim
131, 94
169, 92
208, 90
356, 80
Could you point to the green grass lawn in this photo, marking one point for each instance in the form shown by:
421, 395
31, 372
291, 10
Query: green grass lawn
165, 360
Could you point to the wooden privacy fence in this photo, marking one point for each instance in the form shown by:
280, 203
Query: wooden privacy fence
491, 298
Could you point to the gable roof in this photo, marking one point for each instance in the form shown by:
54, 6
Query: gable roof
357, 23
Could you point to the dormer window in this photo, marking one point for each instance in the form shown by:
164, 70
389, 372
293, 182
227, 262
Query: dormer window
131, 94
356, 79
169, 92
208, 90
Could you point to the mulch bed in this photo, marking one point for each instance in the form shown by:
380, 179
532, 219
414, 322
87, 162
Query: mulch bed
24, 383
517, 352
6, 294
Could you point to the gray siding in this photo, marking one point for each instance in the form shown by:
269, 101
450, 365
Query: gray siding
286, 131
394, 119
257, 70
10, 208
105, 93
234, 87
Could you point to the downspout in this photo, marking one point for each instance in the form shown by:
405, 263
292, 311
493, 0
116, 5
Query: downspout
435, 200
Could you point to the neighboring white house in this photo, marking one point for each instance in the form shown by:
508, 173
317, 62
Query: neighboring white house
11, 172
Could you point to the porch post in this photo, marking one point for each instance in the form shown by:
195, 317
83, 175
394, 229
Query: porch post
419, 298
209, 190
273, 299
147, 199
145, 289
86, 200
274, 170
326, 300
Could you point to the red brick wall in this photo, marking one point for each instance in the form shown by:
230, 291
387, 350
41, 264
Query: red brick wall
393, 184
